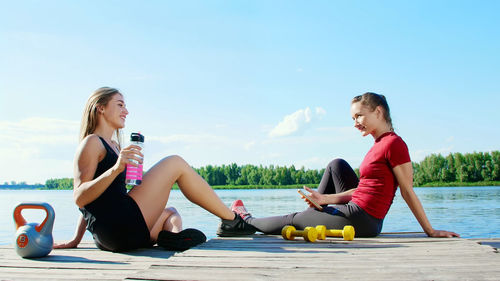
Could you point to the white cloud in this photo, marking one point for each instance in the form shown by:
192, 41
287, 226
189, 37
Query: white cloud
36, 149
35, 125
296, 122
249, 145
36, 131
320, 112
220, 126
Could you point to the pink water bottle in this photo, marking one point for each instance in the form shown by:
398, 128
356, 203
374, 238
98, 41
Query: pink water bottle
133, 175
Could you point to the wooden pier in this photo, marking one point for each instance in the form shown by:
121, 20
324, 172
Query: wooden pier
396, 256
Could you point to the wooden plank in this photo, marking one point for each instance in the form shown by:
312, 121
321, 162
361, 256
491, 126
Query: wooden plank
378, 272
84, 263
394, 256
62, 274
389, 258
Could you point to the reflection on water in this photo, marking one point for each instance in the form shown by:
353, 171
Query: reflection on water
473, 212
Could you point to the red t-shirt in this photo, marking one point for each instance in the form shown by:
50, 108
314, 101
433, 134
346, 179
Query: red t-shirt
377, 183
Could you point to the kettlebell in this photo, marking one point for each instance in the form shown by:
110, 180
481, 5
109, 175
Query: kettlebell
33, 240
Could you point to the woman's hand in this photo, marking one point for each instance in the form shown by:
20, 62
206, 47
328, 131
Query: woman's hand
129, 153
442, 233
81, 225
67, 245
326, 199
316, 196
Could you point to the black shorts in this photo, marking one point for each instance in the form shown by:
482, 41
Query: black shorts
125, 231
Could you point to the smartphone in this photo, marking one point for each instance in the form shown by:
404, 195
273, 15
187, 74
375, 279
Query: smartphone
318, 206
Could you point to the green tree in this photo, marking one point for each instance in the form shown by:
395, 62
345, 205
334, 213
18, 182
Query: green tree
283, 176
268, 176
61, 184
448, 174
254, 176
244, 173
300, 176
232, 173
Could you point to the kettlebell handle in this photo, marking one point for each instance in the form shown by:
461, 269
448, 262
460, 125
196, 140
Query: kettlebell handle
20, 221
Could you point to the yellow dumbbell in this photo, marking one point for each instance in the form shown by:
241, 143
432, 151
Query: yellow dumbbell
347, 233
289, 232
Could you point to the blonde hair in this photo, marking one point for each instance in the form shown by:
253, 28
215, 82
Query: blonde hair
372, 100
99, 98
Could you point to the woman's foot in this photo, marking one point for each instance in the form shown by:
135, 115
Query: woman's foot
235, 227
181, 241
240, 209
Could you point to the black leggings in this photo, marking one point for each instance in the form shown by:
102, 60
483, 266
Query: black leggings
338, 177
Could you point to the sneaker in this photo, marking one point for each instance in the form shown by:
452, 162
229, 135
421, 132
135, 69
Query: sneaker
181, 241
240, 209
235, 227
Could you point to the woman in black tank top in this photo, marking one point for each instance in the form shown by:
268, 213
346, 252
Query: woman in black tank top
121, 221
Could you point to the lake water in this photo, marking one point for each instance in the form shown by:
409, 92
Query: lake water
473, 212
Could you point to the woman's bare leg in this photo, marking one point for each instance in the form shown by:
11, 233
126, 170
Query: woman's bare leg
152, 195
174, 222
169, 220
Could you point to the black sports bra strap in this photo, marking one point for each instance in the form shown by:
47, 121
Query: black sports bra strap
107, 146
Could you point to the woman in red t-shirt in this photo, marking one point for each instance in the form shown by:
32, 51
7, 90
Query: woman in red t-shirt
363, 202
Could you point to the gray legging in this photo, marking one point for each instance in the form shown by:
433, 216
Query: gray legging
338, 177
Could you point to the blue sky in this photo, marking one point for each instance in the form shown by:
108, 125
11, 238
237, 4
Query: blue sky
250, 82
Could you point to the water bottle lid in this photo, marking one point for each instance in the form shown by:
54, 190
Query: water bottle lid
136, 137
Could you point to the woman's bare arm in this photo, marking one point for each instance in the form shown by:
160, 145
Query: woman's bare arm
79, 232
404, 175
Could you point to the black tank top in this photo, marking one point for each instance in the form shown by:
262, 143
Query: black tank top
108, 205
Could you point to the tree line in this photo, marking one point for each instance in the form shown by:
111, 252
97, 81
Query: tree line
435, 168
457, 167
258, 175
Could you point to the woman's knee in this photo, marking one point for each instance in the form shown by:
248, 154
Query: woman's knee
173, 222
337, 164
170, 211
173, 163
175, 159
169, 219
170, 215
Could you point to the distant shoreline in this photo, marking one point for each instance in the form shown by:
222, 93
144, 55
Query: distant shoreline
21, 186
293, 186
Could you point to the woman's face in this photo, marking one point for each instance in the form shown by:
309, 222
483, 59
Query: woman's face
365, 120
115, 112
